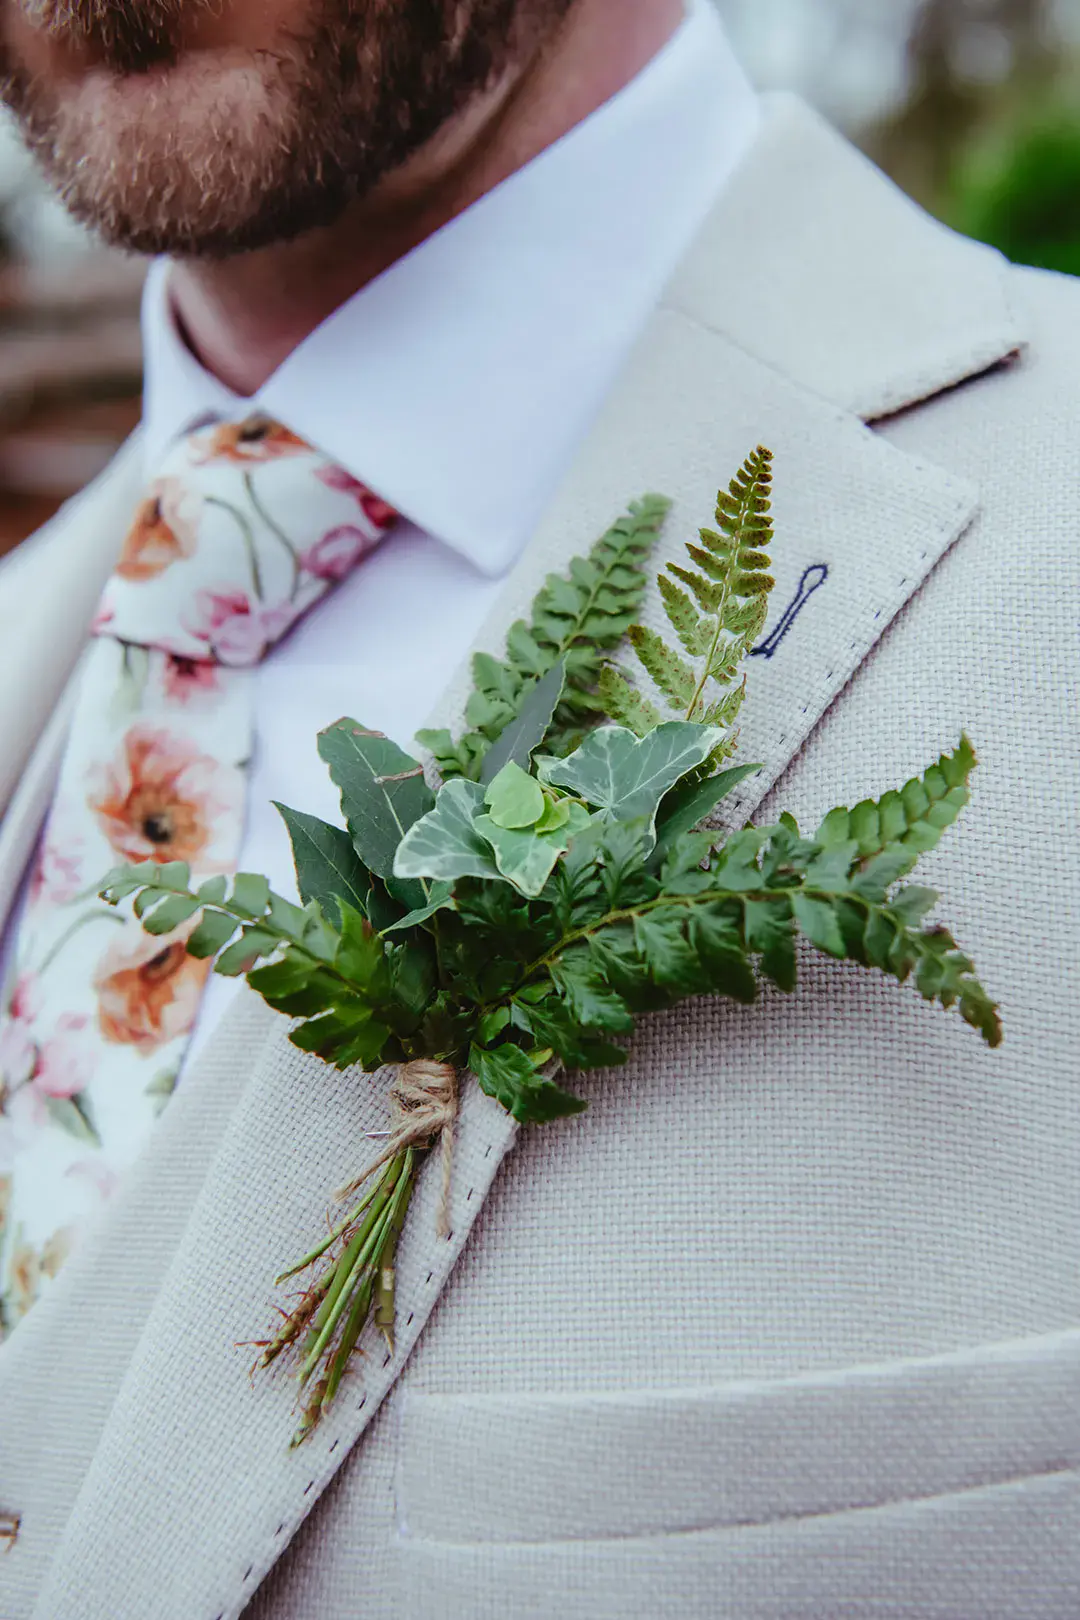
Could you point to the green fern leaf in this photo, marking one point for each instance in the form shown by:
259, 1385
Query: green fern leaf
674, 677
913, 818
693, 631
579, 618
731, 591
708, 596
624, 704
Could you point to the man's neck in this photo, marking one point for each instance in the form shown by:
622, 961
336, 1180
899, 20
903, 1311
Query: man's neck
243, 316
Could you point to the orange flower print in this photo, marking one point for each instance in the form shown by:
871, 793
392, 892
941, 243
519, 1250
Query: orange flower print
165, 528
56, 1250
23, 1281
148, 989
160, 799
257, 438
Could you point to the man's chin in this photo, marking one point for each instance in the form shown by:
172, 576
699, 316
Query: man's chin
176, 159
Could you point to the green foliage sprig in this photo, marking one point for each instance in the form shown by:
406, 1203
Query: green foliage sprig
577, 619
717, 617
518, 921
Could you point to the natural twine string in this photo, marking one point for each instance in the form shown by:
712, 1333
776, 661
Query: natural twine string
423, 1106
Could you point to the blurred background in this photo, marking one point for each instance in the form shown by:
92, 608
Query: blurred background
972, 105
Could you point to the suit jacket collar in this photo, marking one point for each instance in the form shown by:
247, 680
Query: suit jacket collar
818, 265
776, 329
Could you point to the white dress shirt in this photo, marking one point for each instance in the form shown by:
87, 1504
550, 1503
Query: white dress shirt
458, 385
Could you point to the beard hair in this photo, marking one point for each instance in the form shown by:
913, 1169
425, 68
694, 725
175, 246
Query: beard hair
276, 146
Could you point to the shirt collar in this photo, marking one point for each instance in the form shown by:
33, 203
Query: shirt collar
459, 383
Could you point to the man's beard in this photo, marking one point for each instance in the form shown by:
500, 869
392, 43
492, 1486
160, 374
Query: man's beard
269, 144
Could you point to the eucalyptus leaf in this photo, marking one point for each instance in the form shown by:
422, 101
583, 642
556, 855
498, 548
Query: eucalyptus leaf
625, 776
444, 844
687, 805
527, 730
442, 898
327, 865
383, 792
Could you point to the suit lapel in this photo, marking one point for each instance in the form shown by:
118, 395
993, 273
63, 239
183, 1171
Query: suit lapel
193, 1456
49, 588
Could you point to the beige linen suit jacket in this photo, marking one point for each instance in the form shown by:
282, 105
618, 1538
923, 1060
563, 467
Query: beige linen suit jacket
787, 1326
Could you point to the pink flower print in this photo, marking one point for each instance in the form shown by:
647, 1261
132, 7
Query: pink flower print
96, 1175
187, 680
375, 509
18, 1049
337, 553
57, 874
25, 1002
236, 632
65, 1066
160, 799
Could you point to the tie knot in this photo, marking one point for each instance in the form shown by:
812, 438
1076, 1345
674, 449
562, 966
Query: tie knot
244, 528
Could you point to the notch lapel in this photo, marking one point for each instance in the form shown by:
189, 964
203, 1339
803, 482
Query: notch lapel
49, 588
192, 1473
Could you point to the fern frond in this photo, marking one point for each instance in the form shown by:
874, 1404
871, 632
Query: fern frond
672, 674
579, 617
721, 613
693, 631
912, 819
624, 704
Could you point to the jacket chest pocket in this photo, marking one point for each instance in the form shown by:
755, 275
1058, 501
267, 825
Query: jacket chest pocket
945, 1489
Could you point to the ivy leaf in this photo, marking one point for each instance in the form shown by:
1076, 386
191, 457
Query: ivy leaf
625, 776
445, 844
327, 865
507, 1074
383, 793
525, 733
526, 857
514, 798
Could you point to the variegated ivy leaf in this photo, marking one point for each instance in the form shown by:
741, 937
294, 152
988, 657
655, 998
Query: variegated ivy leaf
515, 799
526, 857
625, 776
445, 844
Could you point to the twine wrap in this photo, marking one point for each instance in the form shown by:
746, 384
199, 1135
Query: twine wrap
423, 1108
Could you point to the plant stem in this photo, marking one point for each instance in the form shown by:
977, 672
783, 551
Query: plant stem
248, 536
339, 1231
276, 531
349, 1269
80, 922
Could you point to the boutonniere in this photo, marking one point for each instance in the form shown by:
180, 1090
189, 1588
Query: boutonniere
560, 881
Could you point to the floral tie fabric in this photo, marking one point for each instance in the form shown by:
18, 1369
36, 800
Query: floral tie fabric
245, 529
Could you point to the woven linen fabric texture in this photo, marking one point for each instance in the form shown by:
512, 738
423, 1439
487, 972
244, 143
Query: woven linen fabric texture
860, 1181
810, 1187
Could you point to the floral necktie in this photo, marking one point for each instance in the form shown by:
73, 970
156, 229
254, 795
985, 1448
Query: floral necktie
243, 531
